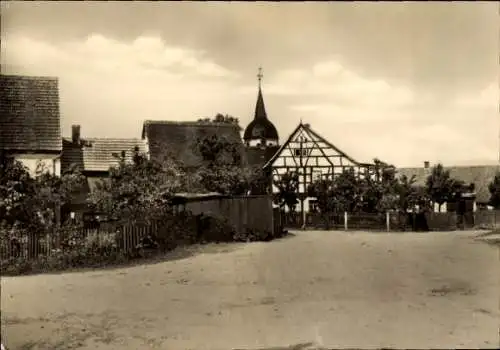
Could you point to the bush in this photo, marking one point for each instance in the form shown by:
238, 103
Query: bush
214, 229
76, 251
251, 235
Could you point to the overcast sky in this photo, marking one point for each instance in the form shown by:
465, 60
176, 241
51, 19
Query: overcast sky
404, 82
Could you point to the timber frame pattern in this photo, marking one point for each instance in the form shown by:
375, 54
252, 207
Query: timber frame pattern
312, 157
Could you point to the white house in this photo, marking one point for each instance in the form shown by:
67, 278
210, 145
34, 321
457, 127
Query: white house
312, 157
30, 126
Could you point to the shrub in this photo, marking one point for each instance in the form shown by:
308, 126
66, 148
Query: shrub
251, 235
214, 229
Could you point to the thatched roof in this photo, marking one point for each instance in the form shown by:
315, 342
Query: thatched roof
29, 114
178, 140
481, 176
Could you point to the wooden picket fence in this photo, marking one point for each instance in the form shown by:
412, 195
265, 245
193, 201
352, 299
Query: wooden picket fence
392, 221
25, 245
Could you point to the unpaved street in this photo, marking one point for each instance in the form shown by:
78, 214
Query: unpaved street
335, 289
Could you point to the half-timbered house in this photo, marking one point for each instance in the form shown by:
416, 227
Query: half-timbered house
312, 157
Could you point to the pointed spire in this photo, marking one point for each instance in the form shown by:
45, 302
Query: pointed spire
260, 108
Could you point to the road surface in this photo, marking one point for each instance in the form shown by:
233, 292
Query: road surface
333, 289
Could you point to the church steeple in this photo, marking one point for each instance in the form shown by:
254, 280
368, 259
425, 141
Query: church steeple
260, 128
260, 108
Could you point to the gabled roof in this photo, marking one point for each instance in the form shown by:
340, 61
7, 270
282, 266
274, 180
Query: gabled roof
177, 140
98, 154
315, 137
29, 114
481, 176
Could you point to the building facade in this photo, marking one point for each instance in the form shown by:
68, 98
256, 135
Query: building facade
30, 126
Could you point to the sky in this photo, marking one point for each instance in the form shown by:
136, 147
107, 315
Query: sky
403, 82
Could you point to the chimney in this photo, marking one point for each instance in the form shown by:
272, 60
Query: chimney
75, 134
426, 164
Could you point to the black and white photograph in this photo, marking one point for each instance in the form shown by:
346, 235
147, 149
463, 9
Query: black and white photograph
230, 175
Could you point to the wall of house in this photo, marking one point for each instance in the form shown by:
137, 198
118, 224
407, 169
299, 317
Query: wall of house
48, 162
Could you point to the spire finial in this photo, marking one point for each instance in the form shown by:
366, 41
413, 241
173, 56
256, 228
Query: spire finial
260, 75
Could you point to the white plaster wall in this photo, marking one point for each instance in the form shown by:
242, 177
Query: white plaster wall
31, 161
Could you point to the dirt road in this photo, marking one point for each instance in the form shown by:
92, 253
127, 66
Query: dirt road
334, 289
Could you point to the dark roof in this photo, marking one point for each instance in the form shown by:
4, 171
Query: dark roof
29, 114
177, 140
481, 176
98, 154
260, 127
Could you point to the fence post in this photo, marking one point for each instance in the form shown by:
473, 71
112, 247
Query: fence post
388, 221
345, 221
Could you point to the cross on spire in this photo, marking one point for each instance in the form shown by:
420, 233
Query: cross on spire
260, 75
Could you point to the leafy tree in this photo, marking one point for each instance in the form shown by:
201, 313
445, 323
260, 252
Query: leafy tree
218, 151
34, 203
222, 169
287, 195
17, 190
439, 185
323, 191
221, 118
259, 180
347, 191
137, 191
494, 188
379, 189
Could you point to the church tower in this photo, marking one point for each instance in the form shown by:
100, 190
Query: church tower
260, 137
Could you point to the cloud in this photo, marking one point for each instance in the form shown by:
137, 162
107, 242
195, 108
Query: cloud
111, 86
103, 55
331, 82
487, 97
402, 125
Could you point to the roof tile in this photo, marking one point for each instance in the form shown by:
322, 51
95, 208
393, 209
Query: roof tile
29, 113
481, 176
98, 154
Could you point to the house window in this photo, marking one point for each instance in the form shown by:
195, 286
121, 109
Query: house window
301, 152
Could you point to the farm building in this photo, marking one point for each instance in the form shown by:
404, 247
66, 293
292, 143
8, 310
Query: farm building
94, 157
480, 176
30, 122
172, 140
308, 154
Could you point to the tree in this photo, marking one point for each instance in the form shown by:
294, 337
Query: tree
287, 195
407, 193
17, 190
137, 191
379, 189
221, 118
323, 191
259, 180
34, 202
222, 169
347, 191
439, 185
494, 188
